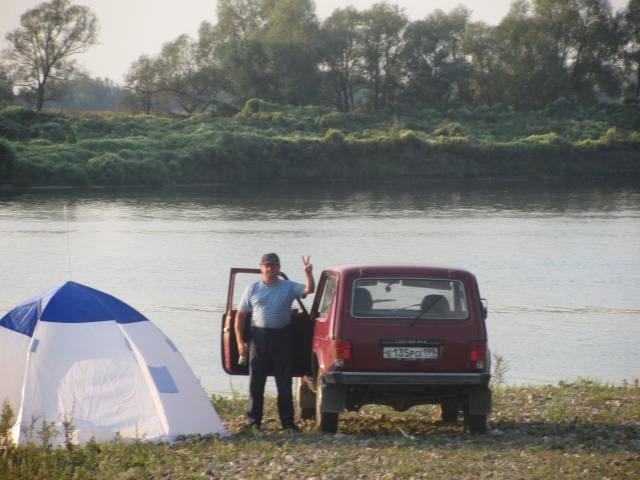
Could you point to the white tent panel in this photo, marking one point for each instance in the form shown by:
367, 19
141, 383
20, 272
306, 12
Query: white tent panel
13, 357
86, 374
74, 355
186, 406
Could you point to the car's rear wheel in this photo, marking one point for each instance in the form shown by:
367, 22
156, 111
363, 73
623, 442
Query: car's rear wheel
326, 421
475, 423
449, 411
305, 400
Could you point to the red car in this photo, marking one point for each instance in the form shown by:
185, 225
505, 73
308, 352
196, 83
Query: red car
397, 335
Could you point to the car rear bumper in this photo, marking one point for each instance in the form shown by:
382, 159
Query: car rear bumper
407, 378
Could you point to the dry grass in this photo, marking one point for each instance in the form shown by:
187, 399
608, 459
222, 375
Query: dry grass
582, 430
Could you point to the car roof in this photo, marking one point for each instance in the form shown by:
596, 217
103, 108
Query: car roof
397, 269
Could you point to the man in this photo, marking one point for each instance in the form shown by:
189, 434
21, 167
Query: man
269, 301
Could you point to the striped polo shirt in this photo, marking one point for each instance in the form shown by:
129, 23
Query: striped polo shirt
270, 304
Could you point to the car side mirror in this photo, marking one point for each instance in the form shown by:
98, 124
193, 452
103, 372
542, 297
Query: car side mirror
485, 307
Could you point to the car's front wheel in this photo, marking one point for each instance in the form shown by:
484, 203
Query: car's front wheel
326, 421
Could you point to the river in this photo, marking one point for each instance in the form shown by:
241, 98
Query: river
558, 264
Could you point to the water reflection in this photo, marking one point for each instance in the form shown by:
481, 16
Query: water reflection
560, 264
299, 200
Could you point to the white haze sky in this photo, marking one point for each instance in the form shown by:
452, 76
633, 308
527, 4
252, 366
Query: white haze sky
131, 28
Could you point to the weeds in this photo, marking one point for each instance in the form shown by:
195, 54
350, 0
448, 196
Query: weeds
500, 368
582, 429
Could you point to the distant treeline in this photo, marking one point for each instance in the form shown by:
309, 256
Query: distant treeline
266, 142
377, 60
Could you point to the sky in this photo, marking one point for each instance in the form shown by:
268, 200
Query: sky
131, 28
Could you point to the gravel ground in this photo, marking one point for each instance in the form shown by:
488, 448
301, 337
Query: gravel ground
571, 431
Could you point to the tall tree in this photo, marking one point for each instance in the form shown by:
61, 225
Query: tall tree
558, 48
630, 25
583, 40
184, 79
232, 46
517, 50
437, 69
486, 81
289, 39
342, 57
6, 87
41, 50
144, 93
384, 26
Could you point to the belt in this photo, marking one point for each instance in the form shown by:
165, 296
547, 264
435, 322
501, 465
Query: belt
272, 330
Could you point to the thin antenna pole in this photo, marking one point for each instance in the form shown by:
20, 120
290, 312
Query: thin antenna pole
66, 227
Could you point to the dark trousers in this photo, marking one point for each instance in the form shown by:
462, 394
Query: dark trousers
271, 350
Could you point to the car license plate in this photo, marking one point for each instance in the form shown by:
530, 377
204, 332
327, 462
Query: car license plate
410, 353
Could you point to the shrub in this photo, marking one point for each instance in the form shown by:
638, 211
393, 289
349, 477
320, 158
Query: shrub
331, 119
145, 172
560, 107
7, 157
546, 139
251, 106
66, 174
335, 136
612, 135
451, 129
106, 169
54, 131
411, 139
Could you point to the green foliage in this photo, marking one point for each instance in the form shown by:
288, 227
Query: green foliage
449, 129
251, 106
271, 142
335, 136
40, 49
546, 139
560, 107
106, 169
612, 135
7, 419
7, 158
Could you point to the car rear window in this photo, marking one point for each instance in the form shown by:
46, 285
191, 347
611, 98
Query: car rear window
418, 298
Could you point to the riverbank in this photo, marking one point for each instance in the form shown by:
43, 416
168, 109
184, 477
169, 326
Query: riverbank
297, 144
582, 430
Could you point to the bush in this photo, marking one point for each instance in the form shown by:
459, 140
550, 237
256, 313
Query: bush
333, 135
451, 129
546, 139
106, 169
7, 157
145, 172
612, 135
560, 107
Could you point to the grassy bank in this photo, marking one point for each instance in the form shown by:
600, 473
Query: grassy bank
581, 430
270, 142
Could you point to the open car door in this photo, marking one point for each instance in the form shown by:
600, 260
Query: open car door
239, 278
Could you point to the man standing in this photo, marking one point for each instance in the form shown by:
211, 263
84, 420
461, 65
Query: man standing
269, 301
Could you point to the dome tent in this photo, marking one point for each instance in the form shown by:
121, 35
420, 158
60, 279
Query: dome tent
75, 355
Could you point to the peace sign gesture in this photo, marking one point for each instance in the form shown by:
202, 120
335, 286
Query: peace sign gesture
306, 265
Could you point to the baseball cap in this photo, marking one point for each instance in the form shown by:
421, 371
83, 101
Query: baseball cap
270, 259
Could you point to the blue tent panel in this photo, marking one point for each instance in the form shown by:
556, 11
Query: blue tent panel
22, 319
163, 380
75, 303
71, 303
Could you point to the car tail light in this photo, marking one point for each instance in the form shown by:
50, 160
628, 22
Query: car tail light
342, 353
478, 355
